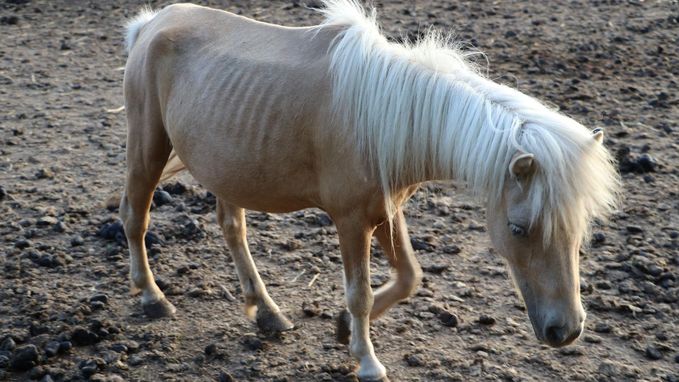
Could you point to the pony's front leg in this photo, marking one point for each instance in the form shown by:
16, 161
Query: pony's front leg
355, 235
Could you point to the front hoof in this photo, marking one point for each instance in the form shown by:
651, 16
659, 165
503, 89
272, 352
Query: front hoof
159, 309
343, 327
382, 379
270, 322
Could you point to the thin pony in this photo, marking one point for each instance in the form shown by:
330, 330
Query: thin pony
277, 119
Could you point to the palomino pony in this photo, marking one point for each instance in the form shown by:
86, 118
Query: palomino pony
276, 119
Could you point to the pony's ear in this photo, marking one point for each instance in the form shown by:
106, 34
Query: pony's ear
522, 164
598, 135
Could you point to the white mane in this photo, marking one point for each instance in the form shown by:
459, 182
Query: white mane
422, 112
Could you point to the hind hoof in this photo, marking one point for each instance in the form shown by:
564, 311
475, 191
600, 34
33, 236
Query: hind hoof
269, 322
159, 309
343, 327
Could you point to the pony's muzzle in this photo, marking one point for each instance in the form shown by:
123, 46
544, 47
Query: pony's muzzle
557, 334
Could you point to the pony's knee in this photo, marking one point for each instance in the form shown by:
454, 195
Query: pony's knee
360, 299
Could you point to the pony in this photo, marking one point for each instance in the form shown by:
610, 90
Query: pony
335, 116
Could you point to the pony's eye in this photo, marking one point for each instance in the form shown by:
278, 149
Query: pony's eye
517, 230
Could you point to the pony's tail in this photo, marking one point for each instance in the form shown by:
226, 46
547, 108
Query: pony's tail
134, 25
173, 167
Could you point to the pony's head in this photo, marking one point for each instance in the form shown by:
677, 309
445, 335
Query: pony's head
539, 224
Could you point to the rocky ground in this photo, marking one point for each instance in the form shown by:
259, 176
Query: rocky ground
65, 310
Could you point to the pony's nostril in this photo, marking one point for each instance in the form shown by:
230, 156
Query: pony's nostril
555, 335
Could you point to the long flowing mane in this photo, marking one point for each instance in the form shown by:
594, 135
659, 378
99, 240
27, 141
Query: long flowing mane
421, 111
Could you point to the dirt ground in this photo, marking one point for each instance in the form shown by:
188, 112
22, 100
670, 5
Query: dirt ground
65, 310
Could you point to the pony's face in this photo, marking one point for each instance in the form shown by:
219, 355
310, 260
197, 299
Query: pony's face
546, 275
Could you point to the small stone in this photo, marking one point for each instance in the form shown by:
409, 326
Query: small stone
4, 361
8, 344
448, 319
592, 339
77, 241
65, 346
101, 297
88, 367
3, 193
113, 231
634, 229
81, 337
47, 378
414, 360
224, 376
176, 188
310, 309
135, 360
486, 320
598, 238
22, 243
211, 349
646, 163
46, 221
52, 348
44, 173
653, 353
25, 357
60, 227
161, 198
252, 343
602, 327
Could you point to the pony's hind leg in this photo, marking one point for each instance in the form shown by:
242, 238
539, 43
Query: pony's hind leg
258, 304
399, 252
401, 257
148, 148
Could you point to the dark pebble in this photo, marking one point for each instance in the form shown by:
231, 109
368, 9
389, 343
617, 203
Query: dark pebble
22, 243
421, 245
88, 367
211, 349
81, 337
152, 239
52, 348
634, 229
8, 344
3, 193
310, 309
647, 163
9, 20
486, 320
65, 346
224, 376
414, 360
598, 238
113, 231
176, 188
77, 241
448, 319
653, 353
25, 357
99, 297
161, 198
252, 343
602, 327
4, 361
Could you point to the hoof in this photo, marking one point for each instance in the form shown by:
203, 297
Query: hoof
159, 309
383, 379
343, 327
269, 322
